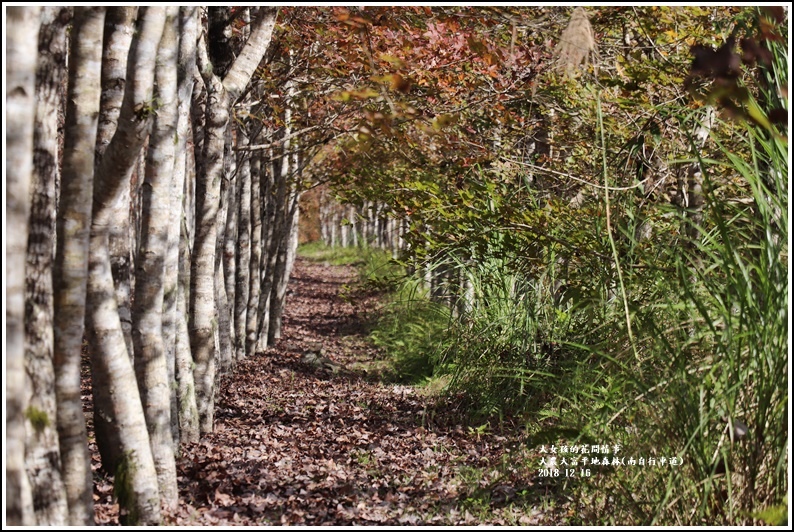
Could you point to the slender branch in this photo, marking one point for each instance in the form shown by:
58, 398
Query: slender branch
563, 243
569, 176
261, 147
304, 148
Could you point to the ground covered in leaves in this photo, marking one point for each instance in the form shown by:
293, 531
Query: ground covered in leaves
299, 443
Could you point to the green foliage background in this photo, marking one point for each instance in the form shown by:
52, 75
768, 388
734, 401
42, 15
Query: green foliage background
581, 290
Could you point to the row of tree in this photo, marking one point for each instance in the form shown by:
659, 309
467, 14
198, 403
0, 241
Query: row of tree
350, 225
147, 232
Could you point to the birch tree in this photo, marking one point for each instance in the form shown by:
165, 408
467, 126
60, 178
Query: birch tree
282, 227
229, 241
226, 196
187, 413
118, 33
273, 197
151, 364
23, 30
42, 453
129, 454
256, 264
119, 29
243, 248
221, 94
71, 258
288, 245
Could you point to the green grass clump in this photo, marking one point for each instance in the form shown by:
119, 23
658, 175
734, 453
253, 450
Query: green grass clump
412, 331
505, 349
335, 256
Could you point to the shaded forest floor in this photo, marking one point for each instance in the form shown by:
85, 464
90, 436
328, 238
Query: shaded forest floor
296, 443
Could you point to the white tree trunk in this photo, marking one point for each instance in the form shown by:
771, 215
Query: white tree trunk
209, 168
71, 260
119, 29
255, 209
117, 396
186, 389
118, 33
243, 252
221, 95
179, 272
42, 453
238, 76
151, 364
22, 46
231, 172
226, 348
277, 254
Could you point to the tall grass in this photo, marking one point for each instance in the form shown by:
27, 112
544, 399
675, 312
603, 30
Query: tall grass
505, 348
412, 330
731, 393
714, 389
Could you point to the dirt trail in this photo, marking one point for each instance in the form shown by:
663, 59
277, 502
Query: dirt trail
300, 444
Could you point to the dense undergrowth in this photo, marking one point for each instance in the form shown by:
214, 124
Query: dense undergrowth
661, 336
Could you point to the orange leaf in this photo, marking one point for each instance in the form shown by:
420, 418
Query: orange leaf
400, 83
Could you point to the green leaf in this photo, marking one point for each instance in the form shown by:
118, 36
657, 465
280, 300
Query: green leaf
776, 515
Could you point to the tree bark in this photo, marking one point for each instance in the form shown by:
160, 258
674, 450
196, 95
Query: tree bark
22, 39
127, 452
186, 388
209, 167
284, 264
352, 228
243, 248
151, 364
255, 48
71, 260
227, 212
230, 235
42, 453
226, 348
256, 262
273, 194
187, 414
282, 227
119, 29
324, 206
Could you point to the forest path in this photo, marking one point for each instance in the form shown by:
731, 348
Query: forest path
298, 444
